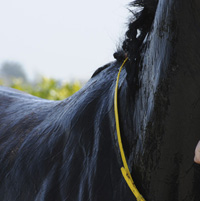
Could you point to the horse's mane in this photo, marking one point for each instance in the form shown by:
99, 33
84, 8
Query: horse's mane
68, 150
139, 26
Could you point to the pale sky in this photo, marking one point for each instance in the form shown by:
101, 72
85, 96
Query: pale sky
63, 39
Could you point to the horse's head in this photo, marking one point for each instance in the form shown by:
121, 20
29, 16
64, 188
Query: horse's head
163, 73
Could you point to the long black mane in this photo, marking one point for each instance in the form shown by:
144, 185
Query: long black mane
68, 150
139, 26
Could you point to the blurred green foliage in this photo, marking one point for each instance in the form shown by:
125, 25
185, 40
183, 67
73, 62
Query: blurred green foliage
13, 75
47, 88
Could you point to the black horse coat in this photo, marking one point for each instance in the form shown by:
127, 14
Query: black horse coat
67, 150
61, 150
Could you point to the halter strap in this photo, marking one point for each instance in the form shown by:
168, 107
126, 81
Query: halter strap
125, 170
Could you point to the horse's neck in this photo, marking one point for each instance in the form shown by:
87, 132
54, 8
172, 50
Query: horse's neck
167, 107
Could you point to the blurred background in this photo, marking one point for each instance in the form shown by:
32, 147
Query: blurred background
51, 48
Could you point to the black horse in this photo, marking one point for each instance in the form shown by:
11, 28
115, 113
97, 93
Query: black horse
68, 150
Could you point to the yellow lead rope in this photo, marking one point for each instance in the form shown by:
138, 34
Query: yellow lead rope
125, 170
